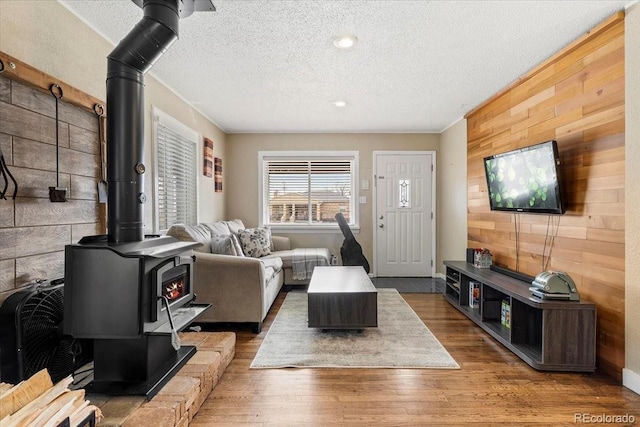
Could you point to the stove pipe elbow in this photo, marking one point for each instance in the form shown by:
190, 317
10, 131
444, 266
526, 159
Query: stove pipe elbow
126, 66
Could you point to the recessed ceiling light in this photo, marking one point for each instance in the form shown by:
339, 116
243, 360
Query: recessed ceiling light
344, 42
339, 103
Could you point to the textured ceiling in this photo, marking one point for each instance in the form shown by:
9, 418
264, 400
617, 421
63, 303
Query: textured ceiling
418, 66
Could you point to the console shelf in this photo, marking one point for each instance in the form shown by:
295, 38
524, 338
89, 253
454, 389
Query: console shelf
548, 335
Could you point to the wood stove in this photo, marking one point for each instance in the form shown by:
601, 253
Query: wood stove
131, 299
129, 292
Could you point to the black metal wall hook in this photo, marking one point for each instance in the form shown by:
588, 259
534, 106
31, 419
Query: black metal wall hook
98, 109
4, 172
1, 66
57, 194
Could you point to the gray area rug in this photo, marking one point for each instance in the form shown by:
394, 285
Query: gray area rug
401, 340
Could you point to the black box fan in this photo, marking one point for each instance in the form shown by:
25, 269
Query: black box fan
31, 336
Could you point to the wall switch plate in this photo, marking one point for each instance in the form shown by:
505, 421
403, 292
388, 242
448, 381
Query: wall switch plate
365, 184
362, 200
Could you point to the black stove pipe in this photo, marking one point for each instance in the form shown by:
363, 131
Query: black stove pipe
127, 64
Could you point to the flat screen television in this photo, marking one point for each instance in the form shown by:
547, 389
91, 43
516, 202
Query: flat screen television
526, 180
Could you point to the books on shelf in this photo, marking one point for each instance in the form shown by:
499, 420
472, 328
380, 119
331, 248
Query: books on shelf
474, 294
505, 314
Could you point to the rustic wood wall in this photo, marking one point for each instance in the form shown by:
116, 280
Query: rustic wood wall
576, 98
33, 230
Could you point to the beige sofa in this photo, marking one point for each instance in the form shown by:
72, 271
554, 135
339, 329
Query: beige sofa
242, 288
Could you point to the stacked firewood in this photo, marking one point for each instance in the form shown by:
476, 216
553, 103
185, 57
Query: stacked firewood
37, 402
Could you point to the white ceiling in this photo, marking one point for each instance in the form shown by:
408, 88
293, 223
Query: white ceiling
418, 66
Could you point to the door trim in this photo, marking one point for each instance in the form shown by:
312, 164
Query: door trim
374, 207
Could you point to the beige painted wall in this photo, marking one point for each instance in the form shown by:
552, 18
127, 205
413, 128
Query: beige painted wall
452, 188
631, 373
241, 183
45, 35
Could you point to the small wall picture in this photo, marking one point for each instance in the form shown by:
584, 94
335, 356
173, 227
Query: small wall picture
208, 158
218, 175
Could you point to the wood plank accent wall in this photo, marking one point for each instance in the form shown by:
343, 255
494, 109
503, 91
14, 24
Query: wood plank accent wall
33, 230
576, 98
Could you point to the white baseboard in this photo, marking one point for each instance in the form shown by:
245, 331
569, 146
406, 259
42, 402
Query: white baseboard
631, 380
441, 276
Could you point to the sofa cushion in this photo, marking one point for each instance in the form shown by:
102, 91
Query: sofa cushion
285, 256
192, 233
273, 262
272, 266
256, 242
219, 228
269, 274
280, 243
235, 225
223, 245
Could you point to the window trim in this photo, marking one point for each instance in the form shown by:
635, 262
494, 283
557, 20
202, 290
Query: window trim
160, 117
309, 155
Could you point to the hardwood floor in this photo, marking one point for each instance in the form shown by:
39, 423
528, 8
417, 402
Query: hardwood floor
492, 387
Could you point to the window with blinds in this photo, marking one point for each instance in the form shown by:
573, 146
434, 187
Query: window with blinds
176, 170
308, 191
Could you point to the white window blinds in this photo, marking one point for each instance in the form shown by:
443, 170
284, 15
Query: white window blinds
299, 191
176, 157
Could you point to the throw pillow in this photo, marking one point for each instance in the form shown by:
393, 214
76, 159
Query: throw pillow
191, 233
223, 245
256, 242
237, 245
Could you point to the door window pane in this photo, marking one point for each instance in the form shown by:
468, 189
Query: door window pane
404, 193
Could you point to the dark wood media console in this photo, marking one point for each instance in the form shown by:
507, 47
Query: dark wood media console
548, 335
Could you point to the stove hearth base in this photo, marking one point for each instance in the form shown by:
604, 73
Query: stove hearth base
148, 387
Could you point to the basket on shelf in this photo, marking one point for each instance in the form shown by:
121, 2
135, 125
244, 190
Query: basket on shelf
482, 258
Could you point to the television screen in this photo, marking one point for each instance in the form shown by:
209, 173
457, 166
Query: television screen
525, 180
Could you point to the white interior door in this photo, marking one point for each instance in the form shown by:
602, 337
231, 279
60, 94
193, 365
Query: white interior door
404, 232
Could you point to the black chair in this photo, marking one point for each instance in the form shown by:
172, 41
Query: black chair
350, 251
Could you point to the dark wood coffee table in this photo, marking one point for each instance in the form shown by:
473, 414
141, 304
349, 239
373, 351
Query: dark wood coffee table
342, 298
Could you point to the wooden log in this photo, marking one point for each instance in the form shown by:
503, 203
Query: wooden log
4, 387
24, 392
51, 408
30, 411
59, 409
74, 417
83, 412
